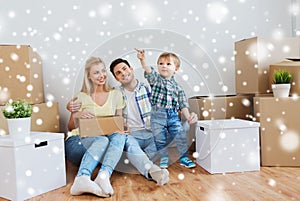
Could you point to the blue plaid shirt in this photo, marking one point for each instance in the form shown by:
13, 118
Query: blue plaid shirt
142, 98
166, 93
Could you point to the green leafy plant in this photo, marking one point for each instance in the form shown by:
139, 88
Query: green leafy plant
282, 77
17, 109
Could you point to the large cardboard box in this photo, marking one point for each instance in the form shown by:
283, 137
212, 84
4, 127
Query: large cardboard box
33, 167
229, 145
293, 67
222, 107
21, 75
101, 125
253, 57
44, 118
279, 130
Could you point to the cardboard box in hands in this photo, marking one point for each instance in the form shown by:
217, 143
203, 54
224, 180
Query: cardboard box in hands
100, 125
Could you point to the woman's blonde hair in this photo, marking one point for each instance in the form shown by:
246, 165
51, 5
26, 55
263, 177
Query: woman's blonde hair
87, 85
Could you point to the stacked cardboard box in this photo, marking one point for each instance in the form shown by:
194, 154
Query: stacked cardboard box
21, 77
255, 61
218, 107
280, 130
253, 57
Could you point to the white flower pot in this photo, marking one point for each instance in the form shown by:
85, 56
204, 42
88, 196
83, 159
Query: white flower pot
19, 128
281, 90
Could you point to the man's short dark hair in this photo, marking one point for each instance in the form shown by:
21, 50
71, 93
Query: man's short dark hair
116, 62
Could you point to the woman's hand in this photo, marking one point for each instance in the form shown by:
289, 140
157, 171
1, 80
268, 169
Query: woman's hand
125, 131
122, 132
84, 115
74, 106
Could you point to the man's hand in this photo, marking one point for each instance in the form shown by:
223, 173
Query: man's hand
74, 106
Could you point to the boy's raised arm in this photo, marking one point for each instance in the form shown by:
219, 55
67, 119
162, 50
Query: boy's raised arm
141, 57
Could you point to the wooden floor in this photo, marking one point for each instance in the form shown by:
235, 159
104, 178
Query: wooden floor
270, 183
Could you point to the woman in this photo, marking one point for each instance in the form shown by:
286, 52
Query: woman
97, 99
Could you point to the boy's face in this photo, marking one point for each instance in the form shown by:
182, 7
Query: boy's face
166, 67
123, 73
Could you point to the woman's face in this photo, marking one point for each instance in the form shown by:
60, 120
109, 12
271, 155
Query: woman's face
98, 74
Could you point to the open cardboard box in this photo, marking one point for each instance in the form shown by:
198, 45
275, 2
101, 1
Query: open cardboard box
100, 125
218, 107
253, 57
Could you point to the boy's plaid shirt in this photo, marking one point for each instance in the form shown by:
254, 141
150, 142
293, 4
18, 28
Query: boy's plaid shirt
166, 93
142, 98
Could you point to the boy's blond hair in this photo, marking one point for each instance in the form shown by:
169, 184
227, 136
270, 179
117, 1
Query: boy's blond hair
168, 55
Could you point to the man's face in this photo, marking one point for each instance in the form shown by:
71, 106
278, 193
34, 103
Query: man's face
123, 73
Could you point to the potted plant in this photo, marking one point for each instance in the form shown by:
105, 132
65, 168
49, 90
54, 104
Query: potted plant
18, 115
281, 83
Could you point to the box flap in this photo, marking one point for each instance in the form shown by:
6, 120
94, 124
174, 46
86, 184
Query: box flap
287, 62
294, 59
227, 124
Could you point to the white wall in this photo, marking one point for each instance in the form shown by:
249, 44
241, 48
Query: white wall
202, 32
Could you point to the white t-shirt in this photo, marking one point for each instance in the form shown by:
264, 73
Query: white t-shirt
134, 120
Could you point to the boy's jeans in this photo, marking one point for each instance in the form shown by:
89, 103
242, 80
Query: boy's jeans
165, 120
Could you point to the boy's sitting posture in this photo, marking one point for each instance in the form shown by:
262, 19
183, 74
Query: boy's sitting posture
167, 97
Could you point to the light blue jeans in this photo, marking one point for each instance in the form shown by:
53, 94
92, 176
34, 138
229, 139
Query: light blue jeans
87, 152
164, 121
137, 156
146, 143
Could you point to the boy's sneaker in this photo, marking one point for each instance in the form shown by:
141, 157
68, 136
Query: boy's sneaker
164, 162
186, 162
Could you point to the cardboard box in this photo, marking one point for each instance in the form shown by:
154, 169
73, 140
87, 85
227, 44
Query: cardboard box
32, 167
225, 107
221, 107
44, 118
229, 145
294, 68
21, 75
253, 57
279, 130
100, 125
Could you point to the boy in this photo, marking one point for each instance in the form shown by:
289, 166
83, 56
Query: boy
167, 97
